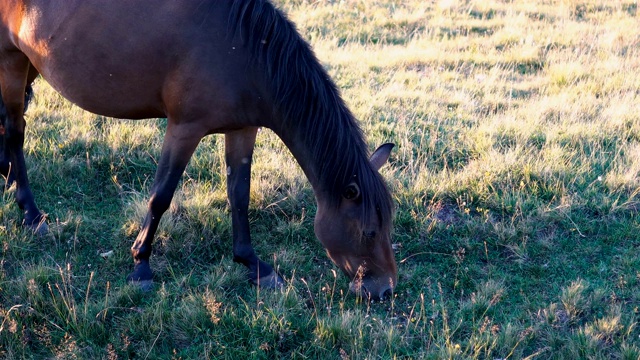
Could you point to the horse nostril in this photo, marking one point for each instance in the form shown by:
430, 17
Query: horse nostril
387, 294
382, 295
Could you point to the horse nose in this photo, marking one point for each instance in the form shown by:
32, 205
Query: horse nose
387, 294
380, 294
377, 294
374, 290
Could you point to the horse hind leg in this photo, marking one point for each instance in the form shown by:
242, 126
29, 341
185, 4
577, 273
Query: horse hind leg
5, 165
238, 152
4, 158
13, 84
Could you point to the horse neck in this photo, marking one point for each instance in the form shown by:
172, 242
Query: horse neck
309, 115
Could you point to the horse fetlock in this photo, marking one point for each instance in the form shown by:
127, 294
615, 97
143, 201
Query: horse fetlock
141, 253
246, 256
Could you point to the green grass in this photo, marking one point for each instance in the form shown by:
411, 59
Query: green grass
516, 179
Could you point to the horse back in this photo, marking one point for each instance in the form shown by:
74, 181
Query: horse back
131, 59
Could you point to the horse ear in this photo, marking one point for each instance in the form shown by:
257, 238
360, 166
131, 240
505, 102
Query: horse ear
381, 155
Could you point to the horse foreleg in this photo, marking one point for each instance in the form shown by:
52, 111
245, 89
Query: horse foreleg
179, 144
239, 150
15, 74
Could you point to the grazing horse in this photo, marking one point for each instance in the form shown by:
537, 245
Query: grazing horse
209, 67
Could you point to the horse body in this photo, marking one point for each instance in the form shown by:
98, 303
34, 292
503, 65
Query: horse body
209, 67
65, 44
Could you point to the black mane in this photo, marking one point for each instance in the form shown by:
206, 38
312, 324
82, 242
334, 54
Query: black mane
307, 100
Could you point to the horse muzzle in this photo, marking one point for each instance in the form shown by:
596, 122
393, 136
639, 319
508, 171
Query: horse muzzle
373, 288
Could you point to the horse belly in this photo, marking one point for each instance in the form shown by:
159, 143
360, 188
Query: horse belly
115, 86
106, 94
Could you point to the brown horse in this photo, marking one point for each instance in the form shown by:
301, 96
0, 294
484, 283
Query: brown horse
209, 67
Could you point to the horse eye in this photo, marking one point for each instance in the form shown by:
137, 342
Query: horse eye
351, 192
369, 234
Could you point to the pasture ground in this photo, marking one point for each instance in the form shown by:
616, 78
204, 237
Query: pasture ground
516, 178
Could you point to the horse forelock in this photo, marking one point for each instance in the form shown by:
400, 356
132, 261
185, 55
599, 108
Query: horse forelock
309, 103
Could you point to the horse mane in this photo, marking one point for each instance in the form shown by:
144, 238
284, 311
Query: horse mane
303, 93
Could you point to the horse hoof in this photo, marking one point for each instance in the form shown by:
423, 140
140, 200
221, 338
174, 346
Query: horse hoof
271, 281
144, 285
40, 229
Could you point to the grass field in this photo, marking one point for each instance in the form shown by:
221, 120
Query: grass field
516, 179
